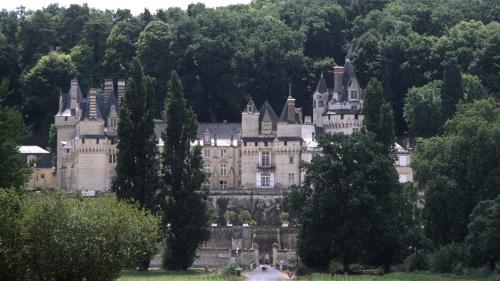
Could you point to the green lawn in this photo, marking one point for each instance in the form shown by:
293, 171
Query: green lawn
399, 277
160, 275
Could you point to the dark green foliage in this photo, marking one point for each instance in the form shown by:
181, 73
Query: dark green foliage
42, 85
137, 167
378, 115
50, 237
459, 169
10, 227
155, 51
185, 216
452, 90
351, 213
483, 241
15, 172
423, 109
225, 54
449, 258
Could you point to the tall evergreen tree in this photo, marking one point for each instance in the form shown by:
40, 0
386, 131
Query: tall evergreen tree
137, 167
452, 91
14, 172
378, 115
185, 213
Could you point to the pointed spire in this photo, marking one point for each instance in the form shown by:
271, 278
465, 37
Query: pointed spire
321, 87
60, 101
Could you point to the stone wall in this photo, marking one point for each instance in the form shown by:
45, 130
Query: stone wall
246, 245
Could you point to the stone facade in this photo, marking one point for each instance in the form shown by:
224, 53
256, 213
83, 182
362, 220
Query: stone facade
43, 172
249, 165
86, 138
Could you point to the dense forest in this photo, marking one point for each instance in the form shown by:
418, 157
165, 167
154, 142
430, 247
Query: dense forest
223, 55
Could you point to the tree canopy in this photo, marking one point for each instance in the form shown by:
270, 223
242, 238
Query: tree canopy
223, 55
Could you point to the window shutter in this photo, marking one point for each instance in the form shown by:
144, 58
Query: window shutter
258, 180
260, 160
271, 180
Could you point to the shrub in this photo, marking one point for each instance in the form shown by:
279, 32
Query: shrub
245, 216
448, 259
230, 216
415, 262
335, 267
91, 239
213, 215
10, 227
284, 217
229, 268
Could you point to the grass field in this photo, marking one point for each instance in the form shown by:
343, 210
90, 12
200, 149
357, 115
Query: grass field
160, 275
399, 277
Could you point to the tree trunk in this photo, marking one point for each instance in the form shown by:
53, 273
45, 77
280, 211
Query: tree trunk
144, 264
492, 265
345, 264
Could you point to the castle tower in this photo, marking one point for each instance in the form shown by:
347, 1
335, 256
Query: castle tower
320, 101
250, 120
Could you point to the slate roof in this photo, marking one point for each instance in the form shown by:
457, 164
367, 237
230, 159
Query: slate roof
272, 115
348, 75
217, 130
284, 115
321, 87
66, 100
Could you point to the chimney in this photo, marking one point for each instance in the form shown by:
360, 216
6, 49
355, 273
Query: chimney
290, 103
108, 89
92, 104
291, 108
74, 93
60, 101
338, 75
121, 90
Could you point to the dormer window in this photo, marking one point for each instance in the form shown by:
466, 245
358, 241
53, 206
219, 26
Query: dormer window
354, 94
206, 137
250, 108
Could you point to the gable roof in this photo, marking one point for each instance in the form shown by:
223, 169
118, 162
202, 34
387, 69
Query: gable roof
272, 114
321, 87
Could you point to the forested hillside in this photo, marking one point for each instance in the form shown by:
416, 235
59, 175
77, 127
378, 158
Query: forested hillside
223, 55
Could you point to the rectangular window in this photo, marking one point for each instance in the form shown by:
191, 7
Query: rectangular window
403, 161
223, 153
42, 176
223, 170
265, 159
206, 153
97, 141
256, 143
239, 170
206, 169
265, 180
222, 184
290, 159
356, 116
83, 140
342, 116
285, 143
265, 143
244, 143
291, 179
403, 178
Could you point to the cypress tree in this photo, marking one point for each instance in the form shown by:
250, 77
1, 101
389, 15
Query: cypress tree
452, 91
14, 172
137, 167
185, 216
378, 115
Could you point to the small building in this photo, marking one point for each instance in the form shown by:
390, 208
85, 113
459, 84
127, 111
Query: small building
43, 172
402, 163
